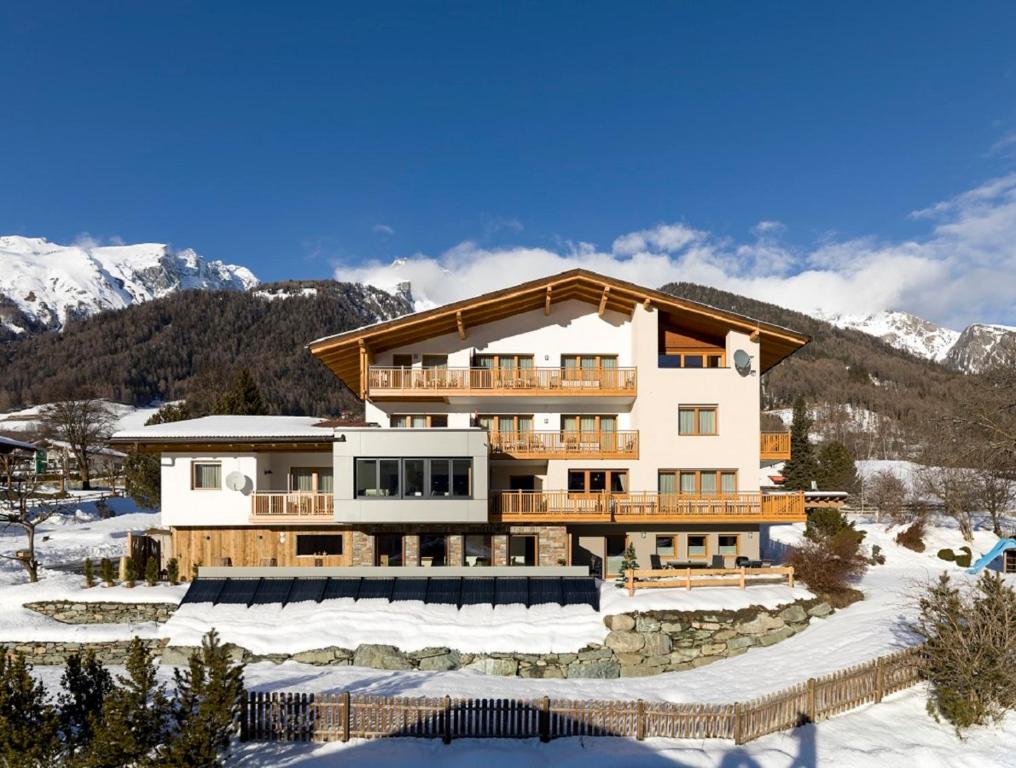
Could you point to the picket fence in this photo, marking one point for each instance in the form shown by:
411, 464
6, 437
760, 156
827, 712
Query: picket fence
293, 717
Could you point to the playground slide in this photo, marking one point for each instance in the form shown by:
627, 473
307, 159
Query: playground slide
995, 551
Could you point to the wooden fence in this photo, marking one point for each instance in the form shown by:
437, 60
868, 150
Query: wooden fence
664, 578
340, 717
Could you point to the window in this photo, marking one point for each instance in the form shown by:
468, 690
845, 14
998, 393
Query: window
597, 480
414, 478
435, 361
388, 549
477, 549
420, 421
206, 476
666, 545
696, 420
318, 544
697, 545
573, 426
433, 549
505, 424
698, 482
402, 361
504, 362
585, 367
521, 550
614, 547
311, 480
727, 544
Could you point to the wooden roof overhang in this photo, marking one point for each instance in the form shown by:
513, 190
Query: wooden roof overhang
349, 354
230, 445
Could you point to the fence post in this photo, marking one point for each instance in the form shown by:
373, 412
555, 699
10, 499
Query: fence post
790, 576
738, 724
544, 722
812, 714
640, 720
630, 576
879, 681
347, 714
687, 577
244, 709
446, 737
742, 577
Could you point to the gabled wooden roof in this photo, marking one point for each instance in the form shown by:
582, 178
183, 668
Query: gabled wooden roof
346, 353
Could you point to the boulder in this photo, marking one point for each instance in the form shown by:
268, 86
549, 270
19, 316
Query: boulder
822, 609
743, 642
380, 657
657, 644
320, 656
760, 625
441, 663
177, 655
620, 622
795, 614
646, 624
624, 642
774, 637
637, 671
542, 672
599, 670
497, 667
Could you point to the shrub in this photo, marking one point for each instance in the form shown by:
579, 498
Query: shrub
89, 573
946, 554
877, 556
173, 571
129, 574
827, 523
194, 570
151, 572
827, 565
888, 494
969, 650
106, 571
963, 561
912, 537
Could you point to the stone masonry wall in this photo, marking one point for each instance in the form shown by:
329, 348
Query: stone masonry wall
56, 653
69, 612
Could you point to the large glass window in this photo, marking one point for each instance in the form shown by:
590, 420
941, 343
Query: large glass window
614, 547
377, 477
726, 544
697, 545
388, 549
692, 482
318, 544
521, 549
477, 549
597, 480
440, 479
207, 476
665, 545
414, 478
433, 549
311, 480
696, 420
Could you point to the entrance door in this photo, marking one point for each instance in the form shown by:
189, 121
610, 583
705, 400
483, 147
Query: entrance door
522, 482
521, 549
615, 546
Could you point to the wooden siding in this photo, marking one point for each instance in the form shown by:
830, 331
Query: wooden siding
250, 546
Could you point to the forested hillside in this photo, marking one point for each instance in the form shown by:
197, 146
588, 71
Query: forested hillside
187, 344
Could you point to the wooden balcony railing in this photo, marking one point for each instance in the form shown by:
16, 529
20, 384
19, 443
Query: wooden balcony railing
622, 444
292, 507
646, 507
401, 382
774, 446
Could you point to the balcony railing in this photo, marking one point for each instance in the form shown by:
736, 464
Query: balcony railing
565, 445
400, 382
774, 446
645, 507
292, 507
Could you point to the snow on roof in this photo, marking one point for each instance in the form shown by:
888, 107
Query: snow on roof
233, 427
7, 445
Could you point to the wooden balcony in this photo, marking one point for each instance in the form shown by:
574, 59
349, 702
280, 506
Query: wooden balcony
282, 507
413, 383
565, 445
774, 446
646, 507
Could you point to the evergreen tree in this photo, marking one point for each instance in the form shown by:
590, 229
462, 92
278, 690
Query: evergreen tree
29, 736
106, 571
209, 695
86, 685
130, 575
801, 468
173, 571
836, 468
628, 562
142, 473
89, 573
135, 716
243, 398
152, 572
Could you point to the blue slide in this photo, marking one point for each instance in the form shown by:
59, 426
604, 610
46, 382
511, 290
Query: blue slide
995, 551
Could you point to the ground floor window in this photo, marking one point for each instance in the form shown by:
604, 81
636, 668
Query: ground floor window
666, 545
727, 544
318, 544
614, 547
433, 549
522, 549
388, 549
410, 478
698, 545
477, 549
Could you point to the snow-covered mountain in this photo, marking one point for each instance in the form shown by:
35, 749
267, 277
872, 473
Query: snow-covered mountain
43, 284
901, 330
982, 346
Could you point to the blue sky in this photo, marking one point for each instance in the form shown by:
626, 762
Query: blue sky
311, 140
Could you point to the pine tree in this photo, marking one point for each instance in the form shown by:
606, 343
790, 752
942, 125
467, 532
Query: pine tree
129, 573
801, 468
29, 735
142, 473
836, 468
135, 716
209, 695
152, 572
243, 398
106, 571
89, 573
86, 685
173, 571
628, 562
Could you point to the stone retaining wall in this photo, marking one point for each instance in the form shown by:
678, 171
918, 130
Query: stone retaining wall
69, 612
636, 645
51, 653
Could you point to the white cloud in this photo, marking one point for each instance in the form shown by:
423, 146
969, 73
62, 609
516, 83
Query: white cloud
962, 270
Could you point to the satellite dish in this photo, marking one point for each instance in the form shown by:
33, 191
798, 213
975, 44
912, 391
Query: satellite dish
236, 481
742, 362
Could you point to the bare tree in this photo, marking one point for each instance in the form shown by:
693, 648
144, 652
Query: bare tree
956, 489
22, 506
888, 494
996, 492
84, 425
111, 467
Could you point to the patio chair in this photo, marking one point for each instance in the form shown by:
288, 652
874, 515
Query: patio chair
655, 562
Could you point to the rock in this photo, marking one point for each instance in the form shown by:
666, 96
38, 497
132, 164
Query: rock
497, 667
620, 622
177, 655
657, 661
760, 625
657, 644
724, 635
820, 610
673, 627
795, 614
449, 660
682, 655
542, 672
712, 626
774, 637
380, 657
646, 624
423, 653
743, 642
624, 642
565, 659
714, 649
629, 658
320, 657
637, 671
595, 654
599, 670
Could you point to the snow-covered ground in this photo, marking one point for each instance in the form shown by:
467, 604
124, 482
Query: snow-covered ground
128, 417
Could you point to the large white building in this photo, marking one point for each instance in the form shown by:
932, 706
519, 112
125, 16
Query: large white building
547, 424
